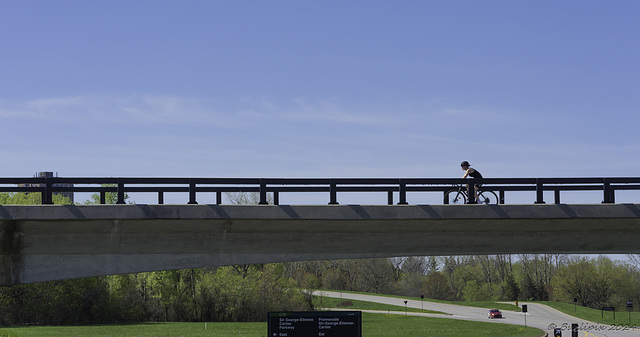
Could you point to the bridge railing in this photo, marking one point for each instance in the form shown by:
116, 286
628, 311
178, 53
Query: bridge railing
192, 186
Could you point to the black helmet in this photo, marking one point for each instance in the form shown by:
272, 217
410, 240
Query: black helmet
465, 163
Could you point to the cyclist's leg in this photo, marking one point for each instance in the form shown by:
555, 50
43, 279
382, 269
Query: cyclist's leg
475, 192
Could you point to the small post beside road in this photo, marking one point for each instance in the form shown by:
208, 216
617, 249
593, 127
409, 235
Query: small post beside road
524, 311
405, 308
629, 308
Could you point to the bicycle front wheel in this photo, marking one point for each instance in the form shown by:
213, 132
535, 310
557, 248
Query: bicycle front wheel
455, 197
487, 197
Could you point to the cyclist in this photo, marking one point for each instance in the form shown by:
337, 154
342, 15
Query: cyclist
471, 172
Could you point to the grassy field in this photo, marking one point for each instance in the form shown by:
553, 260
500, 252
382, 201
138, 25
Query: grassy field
622, 316
373, 325
142, 330
592, 315
597, 316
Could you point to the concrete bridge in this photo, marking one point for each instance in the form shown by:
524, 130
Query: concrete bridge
51, 242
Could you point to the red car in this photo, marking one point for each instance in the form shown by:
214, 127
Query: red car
494, 313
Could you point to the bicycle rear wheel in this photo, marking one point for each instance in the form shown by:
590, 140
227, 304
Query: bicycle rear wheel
487, 197
455, 197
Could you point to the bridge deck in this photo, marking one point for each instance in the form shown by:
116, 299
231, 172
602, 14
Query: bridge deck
49, 242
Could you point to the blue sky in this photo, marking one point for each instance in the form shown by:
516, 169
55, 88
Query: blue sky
320, 88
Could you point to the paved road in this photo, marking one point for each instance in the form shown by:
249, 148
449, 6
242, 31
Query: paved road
538, 316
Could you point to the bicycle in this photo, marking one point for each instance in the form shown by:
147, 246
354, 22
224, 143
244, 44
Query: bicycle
459, 196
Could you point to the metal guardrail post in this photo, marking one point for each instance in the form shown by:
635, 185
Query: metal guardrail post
501, 196
445, 200
556, 197
192, 193
218, 198
613, 196
539, 192
471, 191
120, 193
47, 195
263, 193
333, 193
608, 192
403, 194
160, 198
390, 198
103, 197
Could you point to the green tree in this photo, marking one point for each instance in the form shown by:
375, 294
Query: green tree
225, 295
77, 301
110, 197
535, 274
510, 287
473, 291
35, 198
377, 275
595, 282
437, 287
128, 296
574, 281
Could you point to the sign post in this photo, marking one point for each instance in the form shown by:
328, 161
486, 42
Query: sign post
609, 309
629, 308
524, 311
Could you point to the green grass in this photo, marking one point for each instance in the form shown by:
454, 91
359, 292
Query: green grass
332, 302
222, 329
376, 325
592, 315
596, 315
373, 325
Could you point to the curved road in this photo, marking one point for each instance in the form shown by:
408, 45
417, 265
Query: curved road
538, 316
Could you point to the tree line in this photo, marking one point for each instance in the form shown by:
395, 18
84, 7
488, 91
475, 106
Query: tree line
229, 294
247, 292
594, 282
